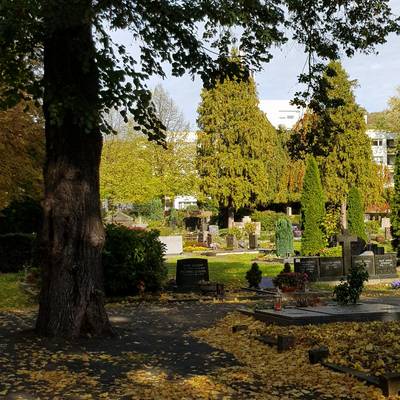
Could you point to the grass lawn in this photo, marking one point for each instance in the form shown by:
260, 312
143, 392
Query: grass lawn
230, 269
11, 295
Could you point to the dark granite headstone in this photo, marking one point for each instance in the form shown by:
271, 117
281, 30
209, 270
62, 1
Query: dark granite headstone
358, 247
189, 271
310, 265
331, 267
380, 250
385, 264
369, 263
346, 239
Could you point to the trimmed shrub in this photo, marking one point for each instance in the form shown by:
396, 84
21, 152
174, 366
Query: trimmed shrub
312, 210
268, 219
131, 258
16, 250
355, 214
254, 275
283, 237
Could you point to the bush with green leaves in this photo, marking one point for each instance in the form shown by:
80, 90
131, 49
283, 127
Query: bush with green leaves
349, 291
268, 219
373, 227
131, 257
355, 214
254, 275
284, 237
152, 211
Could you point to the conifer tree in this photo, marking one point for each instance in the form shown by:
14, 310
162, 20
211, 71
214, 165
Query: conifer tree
355, 214
334, 131
238, 155
312, 210
283, 237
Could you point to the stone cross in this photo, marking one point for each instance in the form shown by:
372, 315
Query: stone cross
345, 240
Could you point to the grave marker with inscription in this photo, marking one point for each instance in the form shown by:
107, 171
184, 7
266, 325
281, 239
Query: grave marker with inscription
368, 261
330, 267
190, 271
309, 265
385, 264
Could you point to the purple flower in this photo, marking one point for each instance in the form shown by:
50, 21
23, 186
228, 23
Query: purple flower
396, 284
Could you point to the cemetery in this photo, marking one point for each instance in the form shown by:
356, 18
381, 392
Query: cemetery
169, 230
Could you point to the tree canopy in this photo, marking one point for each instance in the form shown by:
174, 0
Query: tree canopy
238, 153
60, 52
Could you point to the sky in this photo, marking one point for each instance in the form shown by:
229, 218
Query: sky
378, 76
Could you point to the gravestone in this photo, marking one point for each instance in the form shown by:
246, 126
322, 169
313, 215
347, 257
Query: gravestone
380, 250
189, 271
330, 267
253, 241
231, 242
345, 240
173, 244
213, 229
309, 265
369, 263
385, 264
358, 247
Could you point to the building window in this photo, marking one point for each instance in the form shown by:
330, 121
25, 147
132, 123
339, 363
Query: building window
390, 143
390, 159
377, 142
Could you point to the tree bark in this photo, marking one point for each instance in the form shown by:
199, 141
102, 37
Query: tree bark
231, 215
343, 215
72, 295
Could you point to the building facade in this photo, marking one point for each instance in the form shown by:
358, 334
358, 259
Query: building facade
281, 113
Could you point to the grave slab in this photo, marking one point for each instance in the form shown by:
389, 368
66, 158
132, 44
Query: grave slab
330, 313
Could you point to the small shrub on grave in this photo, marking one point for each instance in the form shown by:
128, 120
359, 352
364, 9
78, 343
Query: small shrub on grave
349, 291
130, 258
290, 280
16, 251
236, 232
253, 276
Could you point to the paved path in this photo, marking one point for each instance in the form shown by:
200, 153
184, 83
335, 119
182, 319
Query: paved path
154, 335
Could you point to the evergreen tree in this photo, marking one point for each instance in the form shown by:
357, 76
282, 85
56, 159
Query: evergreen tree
283, 237
334, 131
355, 214
395, 202
238, 156
312, 210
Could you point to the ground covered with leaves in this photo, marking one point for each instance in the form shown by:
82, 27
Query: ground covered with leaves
188, 351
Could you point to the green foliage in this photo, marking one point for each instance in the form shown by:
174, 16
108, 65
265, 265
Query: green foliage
389, 119
250, 228
11, 294
331, 222
254, 275
238, 149
152, 210
374, 227
236, 232
284, 237
331, 252
312, 210
268, 219
349, 291
355, 214
131, 257
16, 251
395, 201
334, 131
23, 215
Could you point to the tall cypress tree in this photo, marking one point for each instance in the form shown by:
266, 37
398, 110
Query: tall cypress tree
355, 214
312, 210
238, 156
334, 131
395, 202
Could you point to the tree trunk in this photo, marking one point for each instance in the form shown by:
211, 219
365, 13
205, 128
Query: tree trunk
72, 295
231, 215
343, 215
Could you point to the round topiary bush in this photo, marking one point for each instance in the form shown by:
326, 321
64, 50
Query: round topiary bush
130, 259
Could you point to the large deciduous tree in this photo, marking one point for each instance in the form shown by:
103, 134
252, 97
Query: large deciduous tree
59, 51
237, 149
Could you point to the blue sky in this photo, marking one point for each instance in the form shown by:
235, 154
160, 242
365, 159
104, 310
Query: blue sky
378, 75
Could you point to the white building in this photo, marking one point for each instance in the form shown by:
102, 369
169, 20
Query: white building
383, 147
182, 202
281, 113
